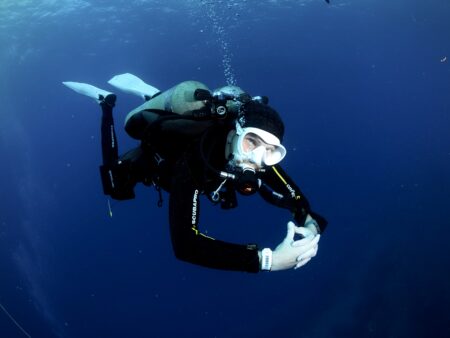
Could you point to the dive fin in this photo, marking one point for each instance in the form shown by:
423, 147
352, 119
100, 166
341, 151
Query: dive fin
88, 90
131, 84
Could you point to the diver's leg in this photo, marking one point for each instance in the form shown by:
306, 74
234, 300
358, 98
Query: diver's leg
117, 175
117, 178
110, 151
107, 101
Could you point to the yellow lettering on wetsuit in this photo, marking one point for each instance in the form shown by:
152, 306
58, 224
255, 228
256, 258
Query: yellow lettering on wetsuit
288, 187
194, 215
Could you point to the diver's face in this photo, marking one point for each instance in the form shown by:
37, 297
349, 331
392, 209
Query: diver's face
253, 144
252, 141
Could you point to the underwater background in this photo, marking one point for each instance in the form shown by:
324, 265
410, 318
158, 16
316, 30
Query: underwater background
364, 90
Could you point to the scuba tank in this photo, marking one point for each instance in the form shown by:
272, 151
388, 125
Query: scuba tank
194, 104
179, 100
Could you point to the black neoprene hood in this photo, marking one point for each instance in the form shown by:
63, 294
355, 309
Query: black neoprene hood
259, 115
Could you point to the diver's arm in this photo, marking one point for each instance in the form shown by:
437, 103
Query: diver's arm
281, 190
189, 244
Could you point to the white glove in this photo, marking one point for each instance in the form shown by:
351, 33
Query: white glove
311, 224
294, 254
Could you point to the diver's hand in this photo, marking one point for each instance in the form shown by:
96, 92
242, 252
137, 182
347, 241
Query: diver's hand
294, 254
311, 224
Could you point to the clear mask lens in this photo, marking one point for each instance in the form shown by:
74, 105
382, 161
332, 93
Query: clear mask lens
273, 156
258, 155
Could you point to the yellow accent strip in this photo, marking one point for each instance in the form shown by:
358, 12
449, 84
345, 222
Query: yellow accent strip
297, 197
199, 233
207, 236
279, 175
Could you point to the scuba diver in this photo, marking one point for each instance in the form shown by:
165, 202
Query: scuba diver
195, 142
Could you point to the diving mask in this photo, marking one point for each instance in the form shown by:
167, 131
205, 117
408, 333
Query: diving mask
254, 146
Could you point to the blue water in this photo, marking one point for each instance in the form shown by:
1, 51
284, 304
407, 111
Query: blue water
363, 87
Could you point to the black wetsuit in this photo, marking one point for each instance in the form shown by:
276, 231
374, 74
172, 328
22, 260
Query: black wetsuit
185, 176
